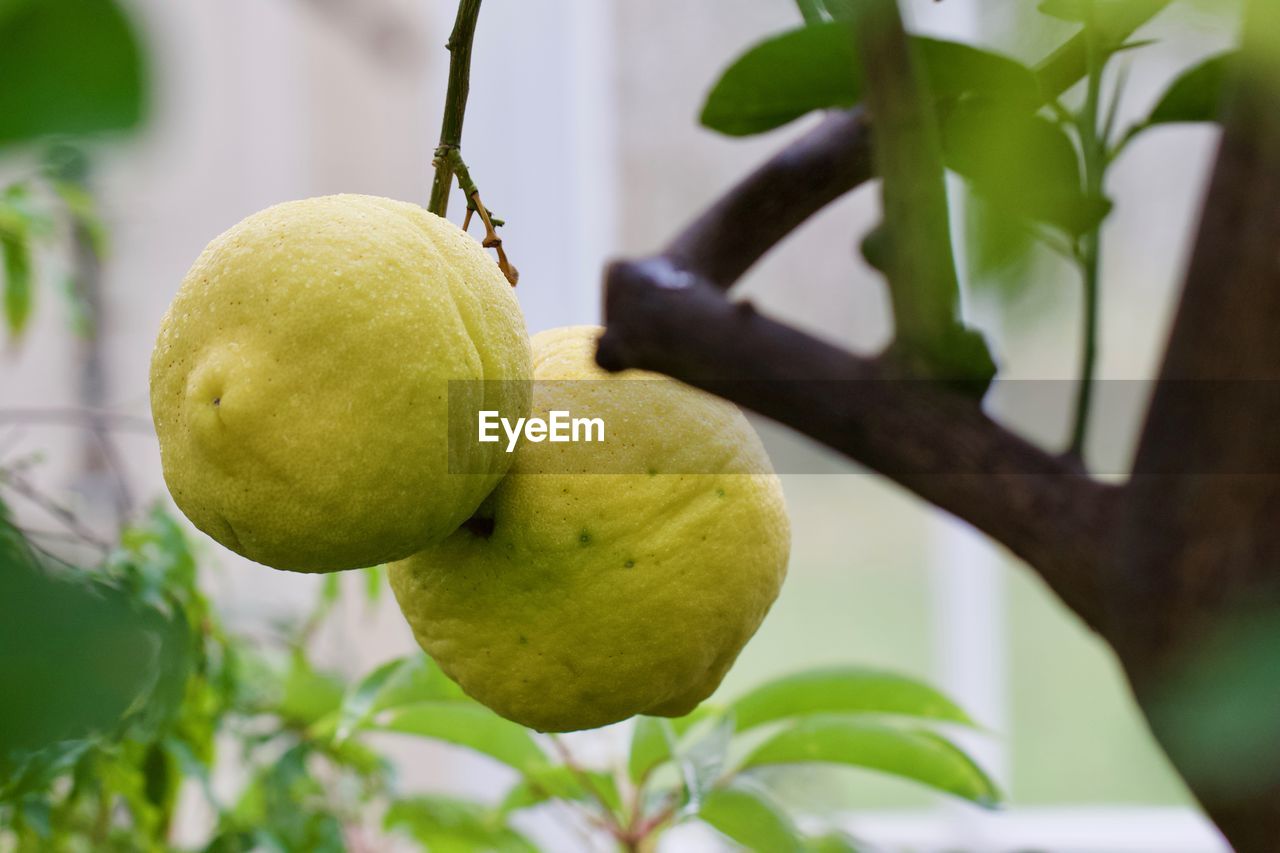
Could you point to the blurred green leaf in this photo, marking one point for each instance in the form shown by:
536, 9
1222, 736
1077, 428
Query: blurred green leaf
445, 825
359, 703
1111, 17
816, 67
812, 11
1196, 94
702, 764
562, 783
746, 814
395, 684
909, 753
17, 279
844, 10
650, 739
811, 68
284, 808
956, 69
850, 690
832, 842
307, 694
69, 67
35, 813
1000, 248
471, 726
1020, 162
649, 747
79, 655
373, 584
83, 209
1072, 11
330, 588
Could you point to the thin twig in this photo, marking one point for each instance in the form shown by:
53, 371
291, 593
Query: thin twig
65, 516
455, 103
588, 784
448, 160
1094, 147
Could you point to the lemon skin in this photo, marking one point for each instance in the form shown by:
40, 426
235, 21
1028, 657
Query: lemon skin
299, 383
584, 598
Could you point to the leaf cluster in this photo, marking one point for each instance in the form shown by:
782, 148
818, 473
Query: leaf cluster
129, 694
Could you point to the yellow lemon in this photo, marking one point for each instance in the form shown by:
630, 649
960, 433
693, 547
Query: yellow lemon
606, 579
300, 382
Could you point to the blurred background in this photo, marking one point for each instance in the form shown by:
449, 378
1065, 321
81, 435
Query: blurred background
582, 135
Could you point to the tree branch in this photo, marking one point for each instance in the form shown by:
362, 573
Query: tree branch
770, 203
1201, 552
666, 314
931, 440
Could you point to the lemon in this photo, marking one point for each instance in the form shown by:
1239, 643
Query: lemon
300, 381
577, 598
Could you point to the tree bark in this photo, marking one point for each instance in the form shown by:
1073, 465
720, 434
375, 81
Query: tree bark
1197, 583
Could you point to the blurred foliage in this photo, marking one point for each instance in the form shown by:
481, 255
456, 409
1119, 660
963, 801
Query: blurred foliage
1033, 147
71, 69
52, 207
127, 695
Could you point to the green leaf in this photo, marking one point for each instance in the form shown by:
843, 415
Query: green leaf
395, 684
373, 584
308, 694
330, 588
1072, 11
849, 690
358, 704
446, 825
812, 11
562, 783
909, 753
405, 680
1196, 94
816, 67
17, 280
811, 68
471, 726
1021, 163
81, 654
956, 69
83, 209
649, 747
833, 842
651, 739
69, 67
844, 10
35, 813
702, 764
746, 815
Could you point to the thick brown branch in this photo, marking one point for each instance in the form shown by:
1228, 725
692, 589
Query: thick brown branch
1201, 552
773, 201
936, 442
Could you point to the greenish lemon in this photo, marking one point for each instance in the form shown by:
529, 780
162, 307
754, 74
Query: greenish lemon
576, 599
300, 382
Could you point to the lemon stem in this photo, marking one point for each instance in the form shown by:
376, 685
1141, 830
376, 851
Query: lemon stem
448, 161
455, 104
